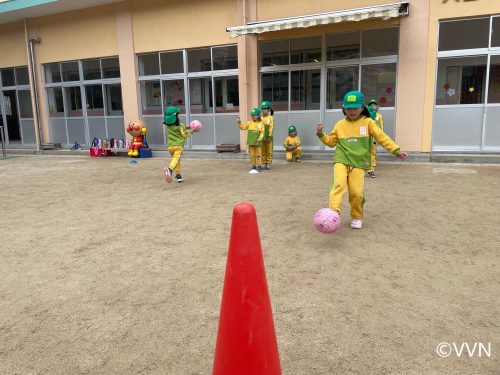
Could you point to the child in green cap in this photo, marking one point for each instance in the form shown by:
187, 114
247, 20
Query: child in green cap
267, 142
379, 120
176, 137
255, 135
292, 144
351, 136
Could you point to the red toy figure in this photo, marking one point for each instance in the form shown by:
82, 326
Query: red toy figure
137, 130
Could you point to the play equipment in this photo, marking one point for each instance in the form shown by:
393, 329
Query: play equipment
195, 126
326, 220
246, 340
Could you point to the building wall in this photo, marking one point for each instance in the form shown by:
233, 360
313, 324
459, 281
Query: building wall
76, 35
441, 11
13, 40
168, 25
291, 8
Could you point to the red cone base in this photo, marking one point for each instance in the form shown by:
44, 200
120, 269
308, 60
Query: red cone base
246, 341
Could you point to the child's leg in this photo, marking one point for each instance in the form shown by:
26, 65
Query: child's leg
356, 181
258, 155
297, 152
289, 155
269, 153
338, 186
264, 152
251, 150
175, 152
373, 157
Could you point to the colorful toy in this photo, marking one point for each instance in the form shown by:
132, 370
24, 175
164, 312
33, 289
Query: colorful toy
195, 126
326, 220
137, 130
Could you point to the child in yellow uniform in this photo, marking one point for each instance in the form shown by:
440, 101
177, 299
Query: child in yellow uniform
351, 136
292, 144
379, 120
254, 139
267, 141
176, 136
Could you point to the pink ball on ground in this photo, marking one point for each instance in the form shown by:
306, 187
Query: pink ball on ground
195, 126
326, 220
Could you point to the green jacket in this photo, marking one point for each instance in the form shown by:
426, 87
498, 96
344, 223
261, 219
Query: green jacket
177, 134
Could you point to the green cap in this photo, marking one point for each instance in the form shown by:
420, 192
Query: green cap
373, 101
354, 99
255, 112
292, 128
265, 105
373, 112
171, 115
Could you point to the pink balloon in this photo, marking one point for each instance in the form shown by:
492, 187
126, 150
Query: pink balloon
195, 126
326, 220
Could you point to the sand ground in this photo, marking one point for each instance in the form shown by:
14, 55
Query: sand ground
106, 270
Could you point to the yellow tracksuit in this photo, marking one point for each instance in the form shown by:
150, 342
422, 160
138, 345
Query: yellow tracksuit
352, 157
176, 136
267, 141
254, 139
379, 120
292, 141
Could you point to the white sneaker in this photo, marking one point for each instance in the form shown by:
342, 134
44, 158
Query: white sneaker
168, 175
356, 224
253, 171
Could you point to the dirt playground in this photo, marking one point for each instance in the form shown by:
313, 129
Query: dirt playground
104, 269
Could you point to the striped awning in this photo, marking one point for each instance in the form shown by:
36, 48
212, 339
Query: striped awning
384, 12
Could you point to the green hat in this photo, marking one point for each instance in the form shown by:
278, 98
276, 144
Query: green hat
265, 105
170, 115
373, 101
354, 99
373, 112
255, 112
292, 128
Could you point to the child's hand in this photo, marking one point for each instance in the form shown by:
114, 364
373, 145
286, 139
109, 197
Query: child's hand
402, 155
319, 128
238, 120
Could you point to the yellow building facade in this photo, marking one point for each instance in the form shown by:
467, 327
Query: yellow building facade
72, 72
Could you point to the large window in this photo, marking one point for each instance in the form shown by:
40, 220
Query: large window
340, 80
468, 86
84, 100
379, 82
275, 89
201, 82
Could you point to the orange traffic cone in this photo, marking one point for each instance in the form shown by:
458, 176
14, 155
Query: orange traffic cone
246, 341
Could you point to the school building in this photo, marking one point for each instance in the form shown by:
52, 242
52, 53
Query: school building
74, 70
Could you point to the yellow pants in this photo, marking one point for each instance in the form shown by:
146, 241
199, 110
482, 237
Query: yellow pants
352, 178
373, 158
255, 152
267, 152
176, 153
290, 154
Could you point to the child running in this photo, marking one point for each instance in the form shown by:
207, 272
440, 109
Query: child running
176, 137
254, 139
351, 136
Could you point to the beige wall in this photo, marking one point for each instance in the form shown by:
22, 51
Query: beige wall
12, 45
411, 76
76, 35
167, 25
271, 9
440, 11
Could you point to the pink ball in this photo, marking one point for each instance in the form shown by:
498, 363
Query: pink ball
195, 126
326, 220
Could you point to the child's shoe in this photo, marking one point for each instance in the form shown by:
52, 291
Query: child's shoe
297, 159
371, 174
356, 224
253, 170
268, 167
260, 168
168, 175
178, 178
